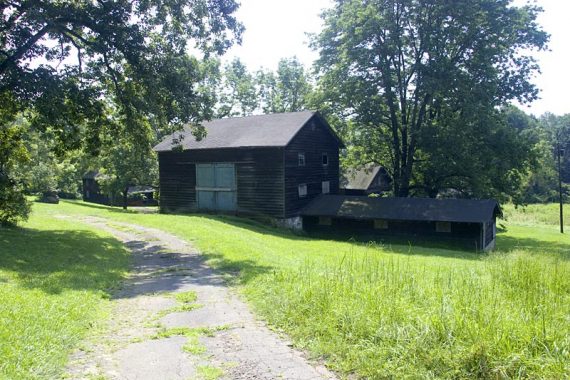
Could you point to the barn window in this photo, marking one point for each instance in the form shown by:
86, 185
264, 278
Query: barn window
301, 158
325, 159
443, 227
380, 224
326, 186
325, 221
302, 190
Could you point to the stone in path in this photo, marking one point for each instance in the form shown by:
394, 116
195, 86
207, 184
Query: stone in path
241, 346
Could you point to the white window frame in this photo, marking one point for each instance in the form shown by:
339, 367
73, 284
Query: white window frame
302, 190
326, 187
323, 158
301, 159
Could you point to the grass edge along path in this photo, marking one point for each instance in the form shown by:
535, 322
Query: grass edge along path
55, 280
379, 311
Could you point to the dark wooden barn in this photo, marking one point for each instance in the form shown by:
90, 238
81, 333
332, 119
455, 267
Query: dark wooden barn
471, 222
266, 165
91, 189
365, 180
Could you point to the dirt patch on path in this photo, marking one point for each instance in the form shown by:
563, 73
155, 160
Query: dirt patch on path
152, 334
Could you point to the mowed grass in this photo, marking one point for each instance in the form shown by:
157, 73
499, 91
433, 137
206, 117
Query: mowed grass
401, 311
55, 279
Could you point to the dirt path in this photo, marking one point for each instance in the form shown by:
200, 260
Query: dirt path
153, 334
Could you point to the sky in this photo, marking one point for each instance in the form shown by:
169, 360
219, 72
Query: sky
277, 29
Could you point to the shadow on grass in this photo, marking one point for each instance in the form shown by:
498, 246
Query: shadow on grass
509, 243
57, 260
409, 245
115, 209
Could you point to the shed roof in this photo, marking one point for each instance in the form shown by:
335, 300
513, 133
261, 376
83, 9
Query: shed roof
274, 130
412, 209
360, 178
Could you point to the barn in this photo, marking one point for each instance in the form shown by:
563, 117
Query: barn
264, 165
365, 180
467, 221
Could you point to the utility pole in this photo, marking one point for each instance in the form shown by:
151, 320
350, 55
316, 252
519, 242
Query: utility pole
559, 152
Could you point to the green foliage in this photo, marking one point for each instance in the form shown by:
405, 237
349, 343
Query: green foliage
286, 90
14, 207
420, 84
55, 278
88, 71
237, 94
549, 133
236, 91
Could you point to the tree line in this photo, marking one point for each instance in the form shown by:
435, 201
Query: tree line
422, 87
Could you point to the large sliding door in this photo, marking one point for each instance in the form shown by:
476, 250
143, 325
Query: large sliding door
216, 187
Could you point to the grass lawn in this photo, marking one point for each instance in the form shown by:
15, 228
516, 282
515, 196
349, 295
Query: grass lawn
400, 311
55, 278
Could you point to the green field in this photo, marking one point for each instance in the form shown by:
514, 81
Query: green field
373, 310
55, 279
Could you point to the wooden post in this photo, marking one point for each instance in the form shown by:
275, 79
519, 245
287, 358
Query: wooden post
559, 152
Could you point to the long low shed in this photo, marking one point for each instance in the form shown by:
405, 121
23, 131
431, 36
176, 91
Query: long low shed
472, 221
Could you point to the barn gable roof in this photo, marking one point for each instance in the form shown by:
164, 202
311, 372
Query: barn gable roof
411, 209
273, 130
360, 178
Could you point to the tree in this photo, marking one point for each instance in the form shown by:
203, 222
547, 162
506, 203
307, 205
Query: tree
237, 95
286, 90
67, 65
422, 83
13, 204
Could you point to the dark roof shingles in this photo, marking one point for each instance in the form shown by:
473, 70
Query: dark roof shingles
419, 209
274, 130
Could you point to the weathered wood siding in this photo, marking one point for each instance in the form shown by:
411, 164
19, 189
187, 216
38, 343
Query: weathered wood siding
313, 140
467, 235
259, 174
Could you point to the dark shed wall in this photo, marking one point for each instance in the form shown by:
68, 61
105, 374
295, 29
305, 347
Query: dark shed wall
313, 139
464, 234
259, 176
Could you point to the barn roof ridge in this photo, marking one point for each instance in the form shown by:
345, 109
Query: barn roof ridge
267, 130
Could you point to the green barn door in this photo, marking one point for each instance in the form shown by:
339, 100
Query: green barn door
216, 187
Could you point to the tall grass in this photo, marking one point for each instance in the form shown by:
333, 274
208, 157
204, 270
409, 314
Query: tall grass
388, 317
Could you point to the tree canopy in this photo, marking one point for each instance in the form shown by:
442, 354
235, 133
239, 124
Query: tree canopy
421, 83
77, 67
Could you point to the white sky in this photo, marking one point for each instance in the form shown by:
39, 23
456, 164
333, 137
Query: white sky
276, 29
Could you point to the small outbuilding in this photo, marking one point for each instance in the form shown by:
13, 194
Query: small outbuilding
91, 189
470, 221
365, 180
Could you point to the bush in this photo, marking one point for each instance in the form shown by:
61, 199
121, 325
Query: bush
14, 207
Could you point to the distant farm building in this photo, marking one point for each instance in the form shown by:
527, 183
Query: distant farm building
91, 189
369, 179
286, 167
136, 195
472, 222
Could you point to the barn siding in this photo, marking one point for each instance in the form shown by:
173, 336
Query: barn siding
314, 139
259, 174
